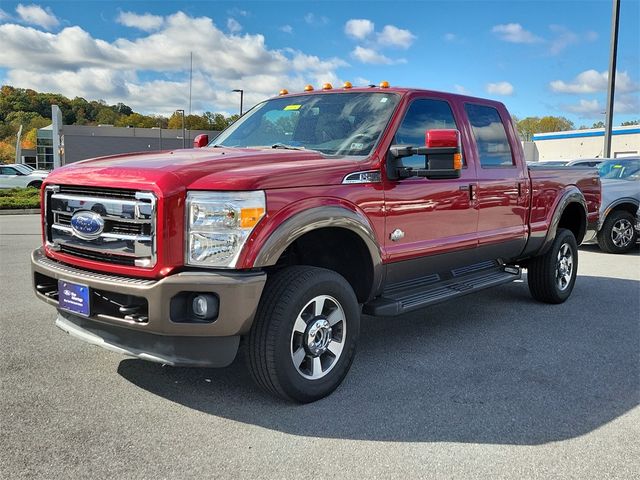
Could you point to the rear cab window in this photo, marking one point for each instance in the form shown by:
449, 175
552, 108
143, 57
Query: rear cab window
492, 143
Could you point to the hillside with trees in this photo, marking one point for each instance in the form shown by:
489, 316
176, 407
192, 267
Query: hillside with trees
32, 110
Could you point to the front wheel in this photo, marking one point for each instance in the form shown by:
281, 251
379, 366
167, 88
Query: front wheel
618, 235
35, 184
551, 276
303, 338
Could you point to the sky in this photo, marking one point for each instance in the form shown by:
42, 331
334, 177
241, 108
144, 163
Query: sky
538, 57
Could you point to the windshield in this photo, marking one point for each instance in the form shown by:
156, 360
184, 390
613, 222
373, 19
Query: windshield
629, 169
22, 169
334, 124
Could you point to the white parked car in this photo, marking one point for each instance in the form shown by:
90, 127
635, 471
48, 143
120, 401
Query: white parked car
27, 168
11, 176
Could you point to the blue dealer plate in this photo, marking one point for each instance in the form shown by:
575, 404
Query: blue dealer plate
74, 297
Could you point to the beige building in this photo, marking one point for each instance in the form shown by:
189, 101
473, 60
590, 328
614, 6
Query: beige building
575, 144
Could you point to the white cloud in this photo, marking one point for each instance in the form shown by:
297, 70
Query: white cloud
395, 37
591, 81
460, 89
563, 38
36, 15
361, 82
358, 28
233, 25
369, 55
75, 63
145, 22
313, 19
4, 16
500, 88
238, 12
515, 33
286, 29
593, 108
450, 37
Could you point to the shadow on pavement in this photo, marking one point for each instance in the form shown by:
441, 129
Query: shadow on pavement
495, 368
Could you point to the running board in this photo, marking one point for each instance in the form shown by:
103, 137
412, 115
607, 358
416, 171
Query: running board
422, 294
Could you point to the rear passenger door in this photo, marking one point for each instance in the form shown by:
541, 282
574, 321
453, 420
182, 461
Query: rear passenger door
503, 184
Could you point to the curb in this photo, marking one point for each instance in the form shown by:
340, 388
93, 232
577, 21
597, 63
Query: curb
21, 211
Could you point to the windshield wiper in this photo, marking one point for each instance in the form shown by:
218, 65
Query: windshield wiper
286, 147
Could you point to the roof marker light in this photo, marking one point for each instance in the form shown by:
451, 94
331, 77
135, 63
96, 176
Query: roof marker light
327, 86
308, 88
347, 85
284, 91
384, 84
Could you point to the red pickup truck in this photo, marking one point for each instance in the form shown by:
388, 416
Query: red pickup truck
310, 210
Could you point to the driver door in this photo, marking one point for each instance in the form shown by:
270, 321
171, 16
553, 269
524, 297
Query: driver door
432, 216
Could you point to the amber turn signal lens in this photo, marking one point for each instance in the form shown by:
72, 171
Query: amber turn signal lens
457, 161
384, 84
249, 217
284, 91
308, 88
327, 86
347, 85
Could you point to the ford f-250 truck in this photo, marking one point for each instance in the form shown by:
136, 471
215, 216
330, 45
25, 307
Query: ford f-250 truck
309, 210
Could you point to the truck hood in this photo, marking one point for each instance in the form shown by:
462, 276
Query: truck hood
210, 169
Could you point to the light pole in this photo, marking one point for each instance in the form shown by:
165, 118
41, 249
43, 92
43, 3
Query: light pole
239, 90
184, 145
613, 54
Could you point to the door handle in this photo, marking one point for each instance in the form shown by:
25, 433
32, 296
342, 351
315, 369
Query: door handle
471, 188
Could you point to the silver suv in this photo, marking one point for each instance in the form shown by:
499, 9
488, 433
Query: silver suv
619, 222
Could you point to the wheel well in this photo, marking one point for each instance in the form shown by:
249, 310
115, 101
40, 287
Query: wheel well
627, 206
35, 184
337, 249
574, 218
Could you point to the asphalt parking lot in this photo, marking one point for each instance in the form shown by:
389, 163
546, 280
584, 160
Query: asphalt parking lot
493, 385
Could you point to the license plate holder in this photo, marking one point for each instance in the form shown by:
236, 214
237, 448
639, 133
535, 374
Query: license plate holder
74, 298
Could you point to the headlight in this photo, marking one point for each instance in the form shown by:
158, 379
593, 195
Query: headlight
218, 225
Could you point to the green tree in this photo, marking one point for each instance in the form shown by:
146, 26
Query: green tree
630, 122
106, 116
136, 120
529, 126
7, 152
599, 124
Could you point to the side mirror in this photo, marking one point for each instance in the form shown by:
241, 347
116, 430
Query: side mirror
201, 140
442, 156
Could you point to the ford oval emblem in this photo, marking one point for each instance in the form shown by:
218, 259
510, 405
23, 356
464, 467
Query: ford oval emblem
87, 225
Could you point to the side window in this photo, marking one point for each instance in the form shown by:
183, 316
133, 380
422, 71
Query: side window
8, 171
491, 138
423, 115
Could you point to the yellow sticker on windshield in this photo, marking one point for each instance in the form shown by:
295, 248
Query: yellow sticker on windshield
292, 107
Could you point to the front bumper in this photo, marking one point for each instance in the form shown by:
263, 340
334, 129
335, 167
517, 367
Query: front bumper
158, 337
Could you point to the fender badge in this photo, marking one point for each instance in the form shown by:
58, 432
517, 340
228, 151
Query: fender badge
396, 235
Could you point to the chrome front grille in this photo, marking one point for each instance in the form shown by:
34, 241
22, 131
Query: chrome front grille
127, 217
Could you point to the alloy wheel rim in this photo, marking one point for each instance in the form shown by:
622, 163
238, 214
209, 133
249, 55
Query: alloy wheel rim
622, 233
564, 267
318, 337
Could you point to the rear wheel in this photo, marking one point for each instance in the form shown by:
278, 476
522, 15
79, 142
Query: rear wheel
303, 338
35, 184
551, 276
618, 234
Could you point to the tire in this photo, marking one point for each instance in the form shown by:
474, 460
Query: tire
618, 234
305, 313
551, 276
36, 184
